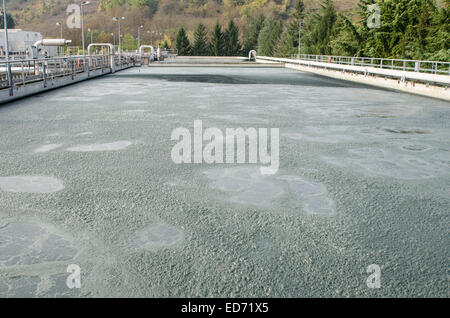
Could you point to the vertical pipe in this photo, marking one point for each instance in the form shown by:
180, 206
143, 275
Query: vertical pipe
8, 65
139, 37
82, 28
299, 32
120, 47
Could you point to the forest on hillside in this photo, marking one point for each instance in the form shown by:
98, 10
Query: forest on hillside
411, 29
415, 29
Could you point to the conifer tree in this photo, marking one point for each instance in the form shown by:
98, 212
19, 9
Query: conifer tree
232, 47
320, 30
289, 38
182, 43
251, 40
268, 37
217, 41
200, 47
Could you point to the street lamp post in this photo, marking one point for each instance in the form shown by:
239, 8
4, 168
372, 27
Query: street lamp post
5, 24
60, 29
151, 37
300, 24
90, 32
114, 38
84, 3
60, 35
139, 35
118, 22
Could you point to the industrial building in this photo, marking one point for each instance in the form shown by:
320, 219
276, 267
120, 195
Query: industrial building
21, 42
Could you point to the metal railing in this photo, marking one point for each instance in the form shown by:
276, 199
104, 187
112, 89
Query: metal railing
433, 67
44, 69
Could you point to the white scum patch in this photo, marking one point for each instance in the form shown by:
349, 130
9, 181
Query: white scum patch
47, 147
112, 146
30, 184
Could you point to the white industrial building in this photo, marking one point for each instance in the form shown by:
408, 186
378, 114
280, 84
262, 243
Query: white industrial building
20, 42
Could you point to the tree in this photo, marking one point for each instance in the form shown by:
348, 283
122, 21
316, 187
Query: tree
251, 40
182, 43
320, 30
232, 47
217, 44
439, 36
412, 29
9, 21
268, 37
299, 12
128, 42
288, 44
347, 40
200, 47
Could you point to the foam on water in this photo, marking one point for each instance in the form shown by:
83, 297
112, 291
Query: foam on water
112, 146
159, 236
314, 196
136, 102
246, 185
319, 205
386, 163
29, 243
134, 111
47, 147
30, 184
37, 254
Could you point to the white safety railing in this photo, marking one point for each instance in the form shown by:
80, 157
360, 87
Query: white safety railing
433, 67
32, 70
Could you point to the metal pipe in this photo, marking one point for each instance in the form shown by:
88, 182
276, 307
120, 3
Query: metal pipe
5, 24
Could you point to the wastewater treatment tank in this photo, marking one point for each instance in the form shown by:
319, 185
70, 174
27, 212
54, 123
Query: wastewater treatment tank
87, 179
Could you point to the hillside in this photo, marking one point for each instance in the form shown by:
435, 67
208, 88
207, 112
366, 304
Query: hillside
164, 16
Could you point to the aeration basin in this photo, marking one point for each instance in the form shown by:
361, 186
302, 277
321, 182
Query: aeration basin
87, 178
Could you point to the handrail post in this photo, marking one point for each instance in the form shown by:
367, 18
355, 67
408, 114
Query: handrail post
23, 74
44, 73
